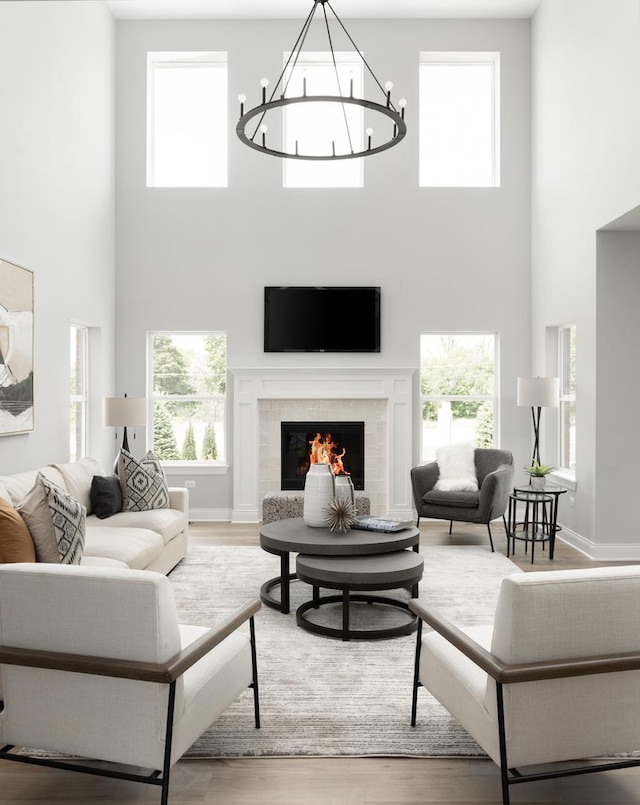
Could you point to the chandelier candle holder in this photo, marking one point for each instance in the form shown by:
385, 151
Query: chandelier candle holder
252, 128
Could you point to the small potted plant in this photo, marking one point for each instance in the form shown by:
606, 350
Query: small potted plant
537, 473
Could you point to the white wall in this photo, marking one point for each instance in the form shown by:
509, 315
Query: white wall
446, 259
586, 82
56, 201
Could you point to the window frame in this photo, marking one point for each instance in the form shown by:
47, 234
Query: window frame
79, 401
311, 59
494, 398
183, 60
467, 58
567, 396
198, 466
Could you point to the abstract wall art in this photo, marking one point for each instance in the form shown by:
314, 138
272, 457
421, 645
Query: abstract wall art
16, 349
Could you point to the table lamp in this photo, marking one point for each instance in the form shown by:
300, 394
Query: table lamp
539, 393
125, 412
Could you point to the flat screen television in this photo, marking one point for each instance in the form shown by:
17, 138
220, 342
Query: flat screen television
322, 319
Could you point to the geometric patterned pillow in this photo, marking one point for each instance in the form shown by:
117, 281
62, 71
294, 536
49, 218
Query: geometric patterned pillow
69, 521
143, 483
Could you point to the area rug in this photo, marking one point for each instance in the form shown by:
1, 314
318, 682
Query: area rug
324, 697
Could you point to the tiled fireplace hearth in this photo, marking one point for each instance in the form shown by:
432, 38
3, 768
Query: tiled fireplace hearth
382, 399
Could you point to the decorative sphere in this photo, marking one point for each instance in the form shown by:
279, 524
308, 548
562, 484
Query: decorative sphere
264, 128
368, 132
264, 82
402, 103
242, 98
389, 86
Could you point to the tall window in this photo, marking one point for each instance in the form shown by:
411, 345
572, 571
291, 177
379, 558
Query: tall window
313, 126
188, 382
567, 364
459, 119
79, 392
186, 120
458, 390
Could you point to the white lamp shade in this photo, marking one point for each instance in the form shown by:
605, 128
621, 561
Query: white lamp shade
538, 392
127, 411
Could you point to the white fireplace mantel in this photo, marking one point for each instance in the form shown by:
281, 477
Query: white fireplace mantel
251, 385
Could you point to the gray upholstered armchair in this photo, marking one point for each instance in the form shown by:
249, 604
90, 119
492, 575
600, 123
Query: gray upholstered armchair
494, 471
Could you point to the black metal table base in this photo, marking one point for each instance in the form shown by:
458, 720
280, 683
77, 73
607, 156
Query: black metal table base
269, 600
346, 632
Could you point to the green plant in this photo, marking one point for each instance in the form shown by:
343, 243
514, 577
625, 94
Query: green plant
538, 470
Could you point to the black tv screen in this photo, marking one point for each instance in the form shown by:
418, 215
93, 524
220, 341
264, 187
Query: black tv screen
321, 319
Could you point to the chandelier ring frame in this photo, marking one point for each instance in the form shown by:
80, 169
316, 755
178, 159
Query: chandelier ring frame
388, 111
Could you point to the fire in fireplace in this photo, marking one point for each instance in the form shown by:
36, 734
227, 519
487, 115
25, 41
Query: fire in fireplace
340, 444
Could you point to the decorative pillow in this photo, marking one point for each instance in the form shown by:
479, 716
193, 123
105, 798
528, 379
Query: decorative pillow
34, 510
106, 495
16, 544
143, 483
56, 522
457, 469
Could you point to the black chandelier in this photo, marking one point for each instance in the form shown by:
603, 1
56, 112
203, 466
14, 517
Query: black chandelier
257, 137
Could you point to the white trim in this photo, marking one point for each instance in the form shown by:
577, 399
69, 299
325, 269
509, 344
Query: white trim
564, 479
209, 515
187, 468
613, 552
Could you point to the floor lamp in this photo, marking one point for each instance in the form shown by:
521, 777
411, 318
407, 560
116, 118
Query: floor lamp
123, 412
539, 393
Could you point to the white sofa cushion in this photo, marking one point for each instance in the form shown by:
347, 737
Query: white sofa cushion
166, 522
136, 548
77, 477
459, 685
17, 486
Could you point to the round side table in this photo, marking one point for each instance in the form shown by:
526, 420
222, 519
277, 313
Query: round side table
538, 526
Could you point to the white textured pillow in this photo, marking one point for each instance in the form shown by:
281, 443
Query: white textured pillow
456, 468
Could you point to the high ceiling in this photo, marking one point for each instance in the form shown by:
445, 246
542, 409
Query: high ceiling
298, 9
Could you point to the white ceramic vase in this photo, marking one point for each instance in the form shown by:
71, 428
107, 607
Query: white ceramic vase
319, 491
344, 488
538, 482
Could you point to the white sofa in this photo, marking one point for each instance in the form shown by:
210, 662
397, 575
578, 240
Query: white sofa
155, 539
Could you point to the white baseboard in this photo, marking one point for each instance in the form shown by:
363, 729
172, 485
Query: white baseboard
210, 515
610, 552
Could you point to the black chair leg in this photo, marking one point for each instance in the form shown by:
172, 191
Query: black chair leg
490, 537
450, 526
416, 675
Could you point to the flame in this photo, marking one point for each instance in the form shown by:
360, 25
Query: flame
325, 451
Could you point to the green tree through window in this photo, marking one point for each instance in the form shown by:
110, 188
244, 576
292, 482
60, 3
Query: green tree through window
188, 375
457, 384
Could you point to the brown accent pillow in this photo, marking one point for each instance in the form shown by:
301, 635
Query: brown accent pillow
16, 544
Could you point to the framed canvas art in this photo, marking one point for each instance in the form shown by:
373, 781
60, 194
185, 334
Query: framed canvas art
16, 349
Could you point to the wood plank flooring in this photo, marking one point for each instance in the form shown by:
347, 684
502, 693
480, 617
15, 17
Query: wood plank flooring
332, 781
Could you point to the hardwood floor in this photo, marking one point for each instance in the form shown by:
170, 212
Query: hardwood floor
332, 781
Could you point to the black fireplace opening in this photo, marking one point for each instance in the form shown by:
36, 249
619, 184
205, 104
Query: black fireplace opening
340, 443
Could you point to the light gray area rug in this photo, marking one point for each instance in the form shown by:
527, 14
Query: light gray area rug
325, 697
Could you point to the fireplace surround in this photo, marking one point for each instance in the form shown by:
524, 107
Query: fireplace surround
383, 398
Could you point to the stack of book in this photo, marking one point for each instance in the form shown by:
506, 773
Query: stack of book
368, 523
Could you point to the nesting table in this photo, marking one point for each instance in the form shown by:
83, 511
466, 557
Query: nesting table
540, 524
342, 561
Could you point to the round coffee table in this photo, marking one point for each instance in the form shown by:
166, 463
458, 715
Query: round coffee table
293, 536
388, 571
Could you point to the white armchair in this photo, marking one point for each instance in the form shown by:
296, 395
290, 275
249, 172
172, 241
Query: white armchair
556, 676
95, 665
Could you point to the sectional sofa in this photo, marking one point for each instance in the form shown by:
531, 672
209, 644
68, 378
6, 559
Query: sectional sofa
155, 539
